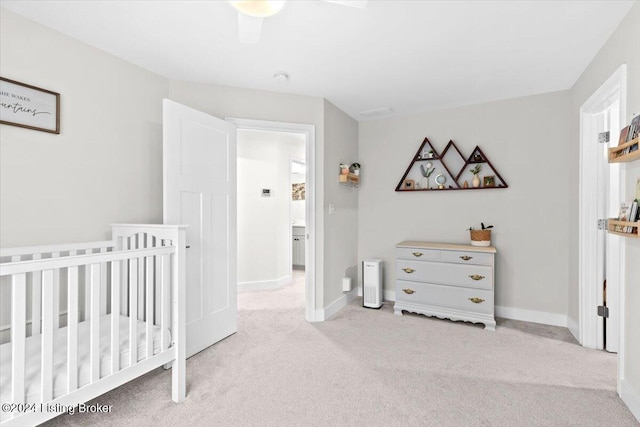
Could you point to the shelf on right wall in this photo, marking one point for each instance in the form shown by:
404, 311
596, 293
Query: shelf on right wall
628, 150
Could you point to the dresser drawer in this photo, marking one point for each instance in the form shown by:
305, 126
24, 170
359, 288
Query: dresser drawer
418, 254
460, 257
470, 276
473, 300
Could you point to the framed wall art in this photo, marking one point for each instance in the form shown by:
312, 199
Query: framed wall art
298, 191
29, 106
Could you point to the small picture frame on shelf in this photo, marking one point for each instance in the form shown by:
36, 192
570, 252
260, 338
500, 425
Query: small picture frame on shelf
409, 184
489, 181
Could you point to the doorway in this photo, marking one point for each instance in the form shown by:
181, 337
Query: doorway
273, 194
601, 258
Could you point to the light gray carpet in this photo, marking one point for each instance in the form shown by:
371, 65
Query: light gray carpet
370, 367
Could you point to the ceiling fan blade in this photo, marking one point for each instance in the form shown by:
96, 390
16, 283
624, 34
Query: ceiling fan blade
361, 4
249, 28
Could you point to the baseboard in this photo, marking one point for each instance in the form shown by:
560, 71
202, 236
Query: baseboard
264, 285
337, 305
631, 397
543, 317
574, 328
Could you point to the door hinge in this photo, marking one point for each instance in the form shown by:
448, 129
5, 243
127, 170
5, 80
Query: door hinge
602, 224
603, 137
603, 311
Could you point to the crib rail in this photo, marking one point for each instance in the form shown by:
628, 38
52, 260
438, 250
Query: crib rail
138, 275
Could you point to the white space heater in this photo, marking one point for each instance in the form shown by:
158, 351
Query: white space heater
372, 283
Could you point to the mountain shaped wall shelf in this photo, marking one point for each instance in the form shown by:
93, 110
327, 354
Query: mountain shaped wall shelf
430, 170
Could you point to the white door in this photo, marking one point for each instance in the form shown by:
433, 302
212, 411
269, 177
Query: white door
199, 163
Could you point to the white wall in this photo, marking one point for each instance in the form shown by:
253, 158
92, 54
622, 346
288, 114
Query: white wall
106, 164
623, 47
526, 140
264, 228
341, 230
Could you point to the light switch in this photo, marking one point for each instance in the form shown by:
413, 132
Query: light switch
332, 208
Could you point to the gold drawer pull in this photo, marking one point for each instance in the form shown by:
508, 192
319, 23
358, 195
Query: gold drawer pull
408, 270
408, 291
476, 277
466, 257
417, 254
476, 300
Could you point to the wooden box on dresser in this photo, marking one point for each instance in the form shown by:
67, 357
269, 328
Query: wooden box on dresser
446, 280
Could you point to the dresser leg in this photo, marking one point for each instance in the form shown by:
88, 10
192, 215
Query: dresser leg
490, 326
397, 311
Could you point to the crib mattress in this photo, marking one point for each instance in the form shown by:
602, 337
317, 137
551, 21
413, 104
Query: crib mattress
33, 357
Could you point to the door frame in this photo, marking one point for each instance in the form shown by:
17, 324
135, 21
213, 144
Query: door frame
588, 216
309, 131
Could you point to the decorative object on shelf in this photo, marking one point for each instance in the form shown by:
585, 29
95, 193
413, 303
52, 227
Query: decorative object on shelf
481, 237
409, 184
29, 106
475, 171
298, 191
355, 168
426, 173
441, 180
489, 181
344, 169
455, 168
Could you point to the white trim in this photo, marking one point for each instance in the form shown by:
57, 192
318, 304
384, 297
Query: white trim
533, 316
309, 131
336, 306
588, 234
574, 328
264, 285
631, 398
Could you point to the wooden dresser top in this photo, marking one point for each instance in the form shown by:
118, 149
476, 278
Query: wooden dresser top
445, 246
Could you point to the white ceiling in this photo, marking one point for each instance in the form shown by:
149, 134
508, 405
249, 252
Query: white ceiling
408, 55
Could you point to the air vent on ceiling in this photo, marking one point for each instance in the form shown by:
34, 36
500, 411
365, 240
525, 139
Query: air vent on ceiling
377, 112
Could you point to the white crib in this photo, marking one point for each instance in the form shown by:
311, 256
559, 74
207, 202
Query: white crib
86, 318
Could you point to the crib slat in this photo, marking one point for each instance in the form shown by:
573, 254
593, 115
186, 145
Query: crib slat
165, 282
124, 295
94, 322
149, 312
72, 329
133, 311
157, 291
56, 293
18, 335
36, 299
46, 370
115, 316
141, 288
87, 290
103, 285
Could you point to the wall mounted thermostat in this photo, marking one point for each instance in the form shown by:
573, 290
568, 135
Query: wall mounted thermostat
266, 192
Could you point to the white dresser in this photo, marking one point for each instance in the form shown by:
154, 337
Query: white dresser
446, 280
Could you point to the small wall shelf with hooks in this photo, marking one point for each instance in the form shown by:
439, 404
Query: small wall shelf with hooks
429, 171
349, 175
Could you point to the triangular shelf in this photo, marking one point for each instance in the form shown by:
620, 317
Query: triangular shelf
451, 169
